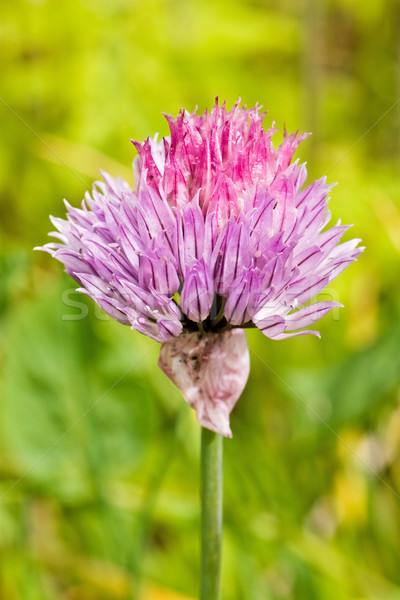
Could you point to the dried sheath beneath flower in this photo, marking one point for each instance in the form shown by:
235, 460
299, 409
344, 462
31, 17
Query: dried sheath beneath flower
211, 370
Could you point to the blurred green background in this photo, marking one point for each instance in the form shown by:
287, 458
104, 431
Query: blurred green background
99, 455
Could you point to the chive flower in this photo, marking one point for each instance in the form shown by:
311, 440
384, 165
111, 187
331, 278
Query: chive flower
219, 234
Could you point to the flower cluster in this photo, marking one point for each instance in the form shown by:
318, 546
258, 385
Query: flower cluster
218, 233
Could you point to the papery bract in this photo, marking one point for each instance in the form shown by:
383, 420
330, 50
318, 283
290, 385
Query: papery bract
211, 370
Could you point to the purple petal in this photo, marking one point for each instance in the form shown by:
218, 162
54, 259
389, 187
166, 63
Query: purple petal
309, 314
231, 253
198, 292
243, 297
271, 326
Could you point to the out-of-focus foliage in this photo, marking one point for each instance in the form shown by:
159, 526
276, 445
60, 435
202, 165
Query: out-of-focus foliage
98, 452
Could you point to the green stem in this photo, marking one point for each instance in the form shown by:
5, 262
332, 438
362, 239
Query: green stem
211, 513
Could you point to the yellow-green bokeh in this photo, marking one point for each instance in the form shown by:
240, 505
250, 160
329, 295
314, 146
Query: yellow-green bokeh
105, 504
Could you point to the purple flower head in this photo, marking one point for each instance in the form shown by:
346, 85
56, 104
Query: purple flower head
218, 233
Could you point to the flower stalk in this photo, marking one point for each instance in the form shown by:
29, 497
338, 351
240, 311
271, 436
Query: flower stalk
211, 513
